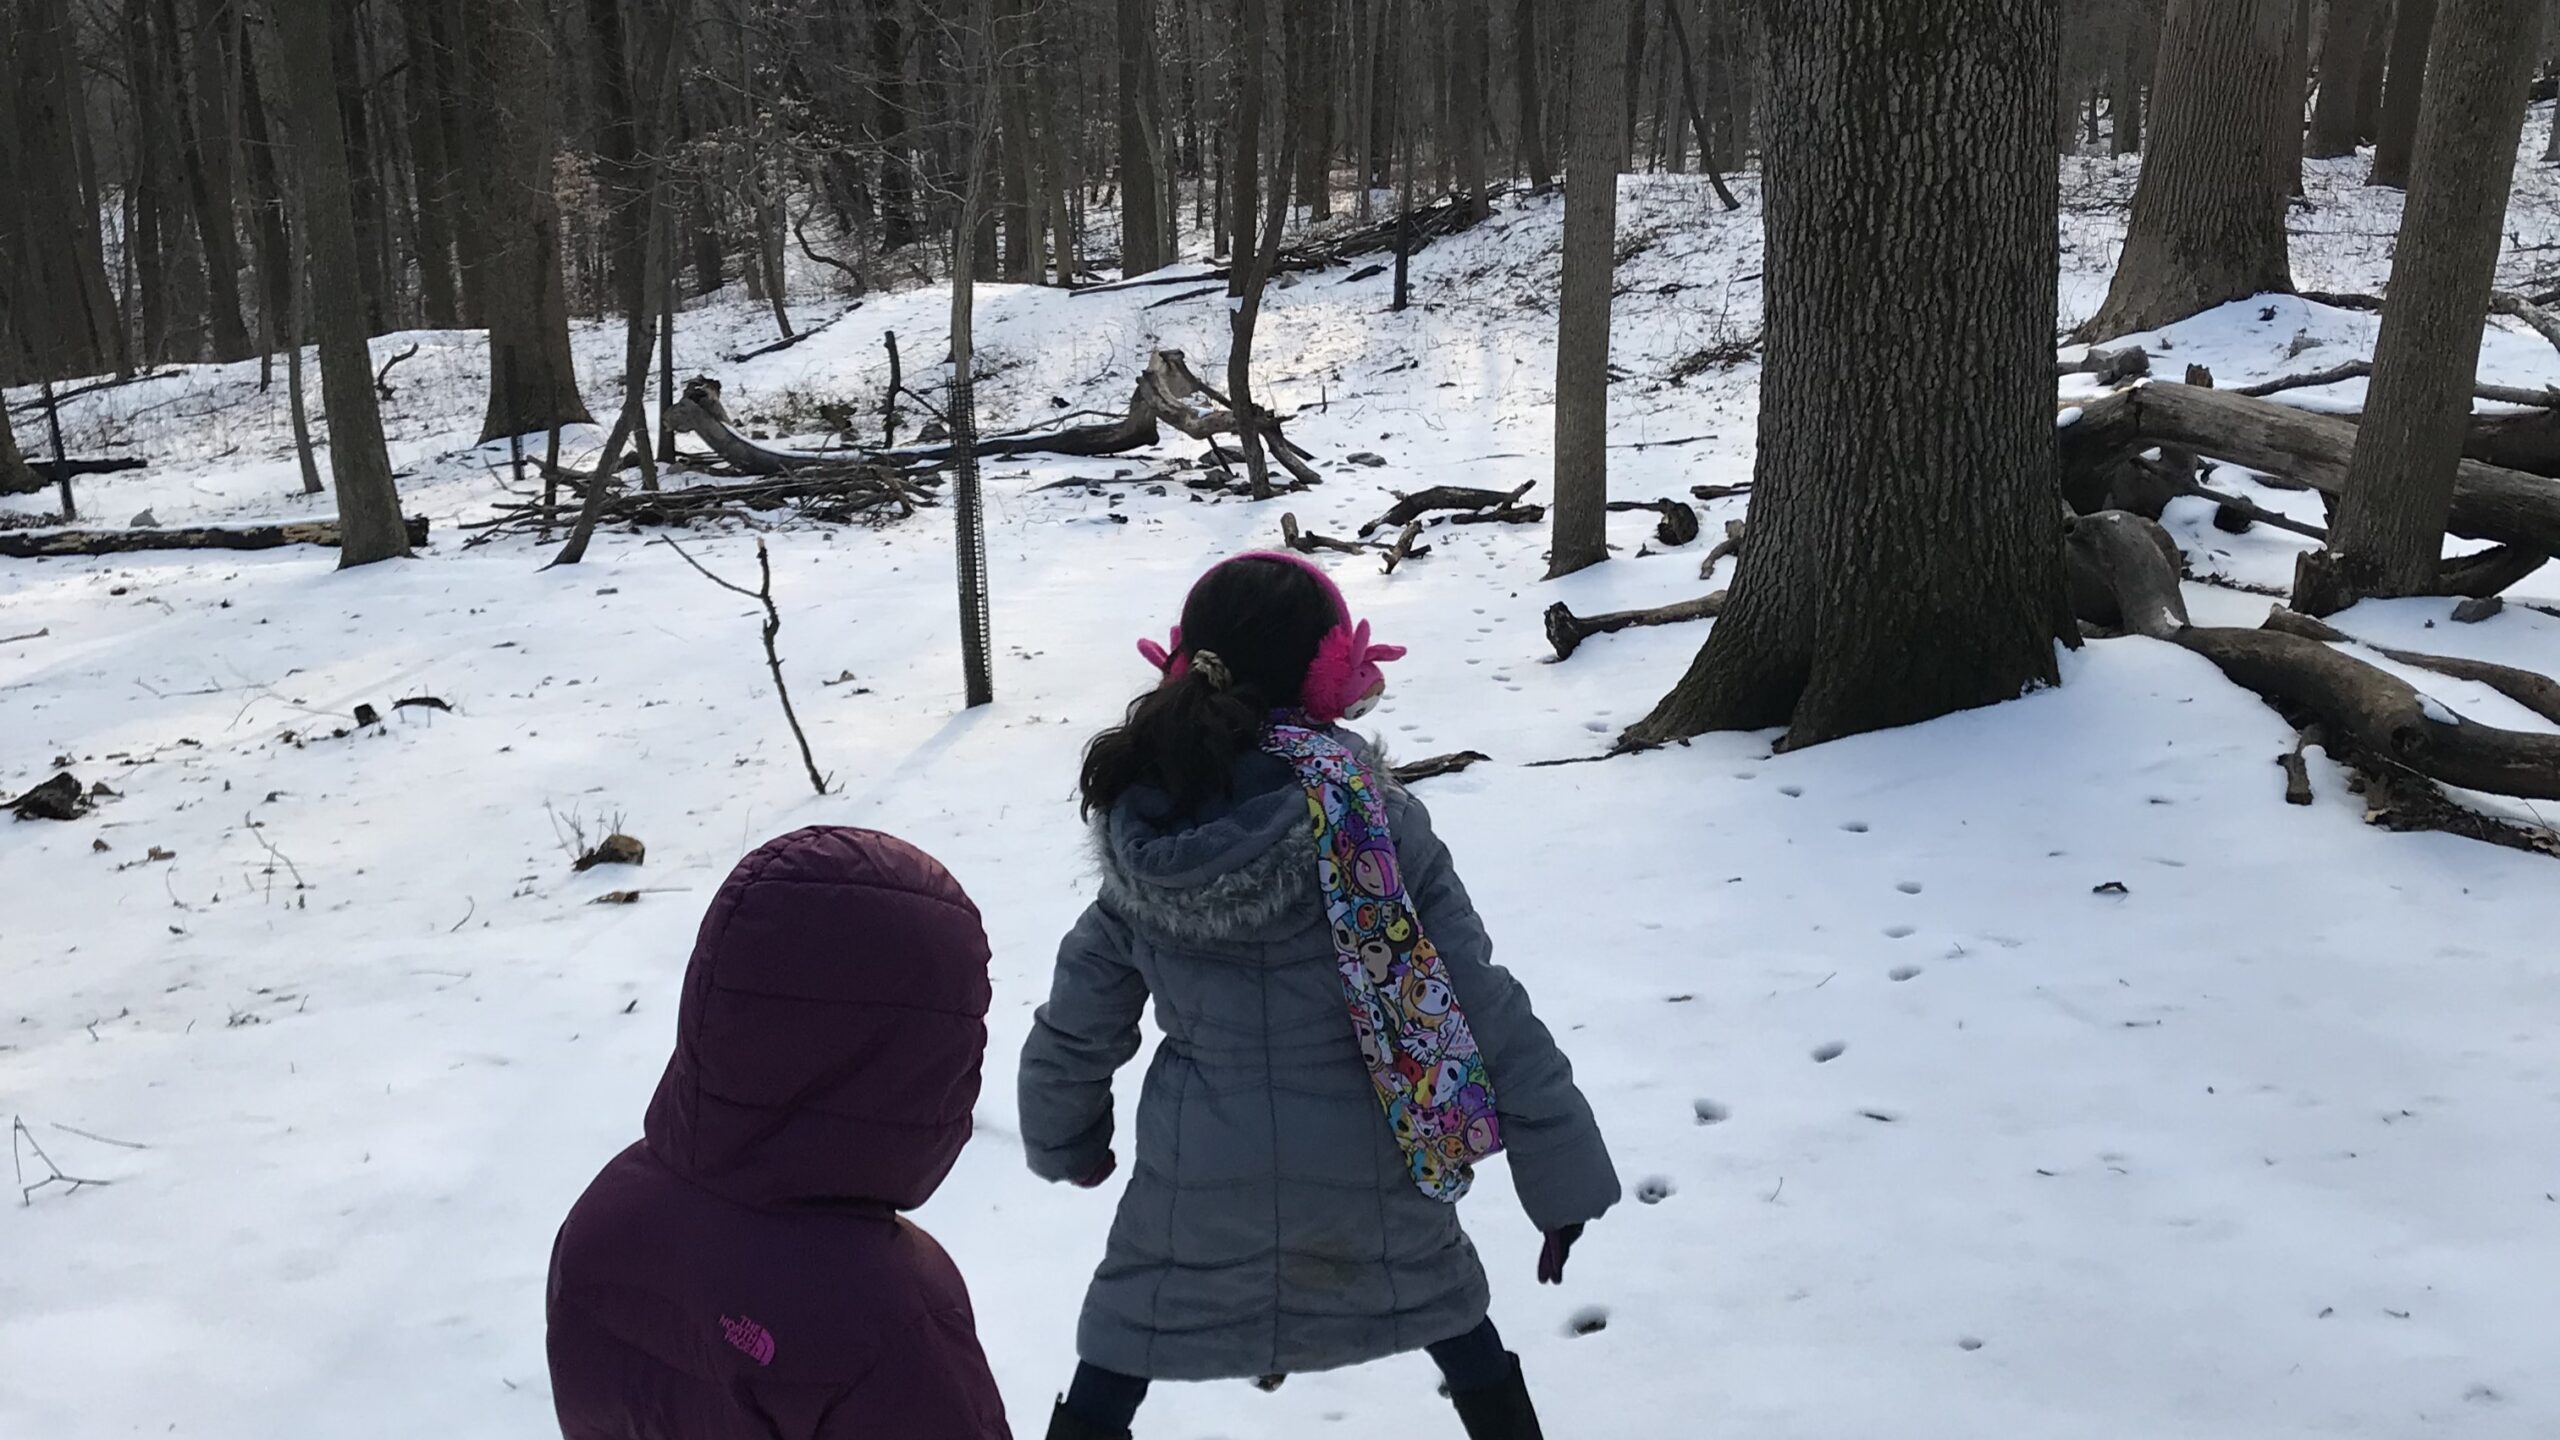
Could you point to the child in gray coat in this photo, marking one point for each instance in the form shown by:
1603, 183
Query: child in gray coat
1339, 1046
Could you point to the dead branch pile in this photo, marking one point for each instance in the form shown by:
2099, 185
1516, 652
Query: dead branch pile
841, 493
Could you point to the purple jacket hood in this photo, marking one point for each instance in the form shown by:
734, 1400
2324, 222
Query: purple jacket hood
833, 1020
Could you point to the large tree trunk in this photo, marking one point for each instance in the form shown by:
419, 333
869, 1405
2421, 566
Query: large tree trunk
533, 380
1468, 50
1582, 312
2208, 216
2343, 41
368, 500
2388, 536
1533, 129
2136, 48
1905, 556
2403, 91
1142, 227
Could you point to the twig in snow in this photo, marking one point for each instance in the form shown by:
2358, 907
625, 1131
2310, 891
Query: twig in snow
466, 915
18, 1133
101, 1139
30, 635
273, 855
763, 594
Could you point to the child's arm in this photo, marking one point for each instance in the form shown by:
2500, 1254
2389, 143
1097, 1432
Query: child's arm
1559, 1162
1088, 1030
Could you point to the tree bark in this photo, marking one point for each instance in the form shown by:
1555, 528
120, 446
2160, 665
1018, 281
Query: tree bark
2343, 41
1142, 227
2403, 91
1533, 129
364, 186
201, 140
15, 477
368, 499
59, 305
434, 71
2136, 48
533, 378
2388, 535
1581, 537
1468, 49
1905, 558
2208, 215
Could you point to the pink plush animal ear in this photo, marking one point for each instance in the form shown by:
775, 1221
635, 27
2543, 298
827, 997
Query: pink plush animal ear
1167, 658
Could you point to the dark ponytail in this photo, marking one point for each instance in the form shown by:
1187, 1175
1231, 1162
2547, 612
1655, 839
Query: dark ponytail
1263, 620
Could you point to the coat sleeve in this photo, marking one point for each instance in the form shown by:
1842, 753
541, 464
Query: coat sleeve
1559, 1162
1086, 1032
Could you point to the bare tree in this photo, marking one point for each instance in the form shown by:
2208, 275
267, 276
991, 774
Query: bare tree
1904, 556
533, 380
1525, 80
368, 499
2344, 39
2388, 535
1582, 311
2403, 91
1143, 228
2208, 215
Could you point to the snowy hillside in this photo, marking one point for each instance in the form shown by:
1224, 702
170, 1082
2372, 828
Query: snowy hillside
2032, 1072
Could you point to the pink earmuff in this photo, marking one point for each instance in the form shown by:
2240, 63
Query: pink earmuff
1343, 681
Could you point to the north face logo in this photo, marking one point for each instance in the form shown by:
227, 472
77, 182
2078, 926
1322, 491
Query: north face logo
751, 1339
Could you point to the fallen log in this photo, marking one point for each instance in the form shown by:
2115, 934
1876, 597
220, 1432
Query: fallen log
38, 544
1409, 508
2363, 708
1437, 765
1566, 631
700, 413
2489, 503
1307, 542
1679, 522
2544, 396
2537, 693
52, 472
2108, 367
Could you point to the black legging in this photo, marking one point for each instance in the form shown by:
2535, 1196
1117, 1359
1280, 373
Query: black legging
1109, 1401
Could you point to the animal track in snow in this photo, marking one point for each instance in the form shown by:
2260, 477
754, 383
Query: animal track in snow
1829, 1050
1792, 792
1854, 827
1968, 1343
1900, 932
1589, 1320
1709, 1112
1596, 727
1908, 887
1654, 1189
1903, 972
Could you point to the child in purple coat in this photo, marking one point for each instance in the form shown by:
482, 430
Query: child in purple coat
743, 1271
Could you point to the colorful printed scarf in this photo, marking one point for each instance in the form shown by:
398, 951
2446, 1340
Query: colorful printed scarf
1423, 1060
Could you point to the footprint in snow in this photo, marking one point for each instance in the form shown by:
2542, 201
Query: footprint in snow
1968, 1343
1792, 792
1903, 972
1596, 727
1654, 1189
1900, 932
1829, 1050
1854, 827
1709, 1112
1589, 1320
1909, 887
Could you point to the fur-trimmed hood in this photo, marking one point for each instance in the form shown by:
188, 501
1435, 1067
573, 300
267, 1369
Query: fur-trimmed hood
1241, 875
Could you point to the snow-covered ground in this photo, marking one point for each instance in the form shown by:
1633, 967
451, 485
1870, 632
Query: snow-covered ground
1937, 1130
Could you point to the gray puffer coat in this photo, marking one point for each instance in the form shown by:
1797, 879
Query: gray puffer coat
1270, 1226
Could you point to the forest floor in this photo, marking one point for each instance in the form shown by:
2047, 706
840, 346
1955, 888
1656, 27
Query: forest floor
2036, 1071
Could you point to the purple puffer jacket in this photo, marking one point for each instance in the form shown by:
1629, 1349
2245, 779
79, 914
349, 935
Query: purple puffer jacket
743, 1271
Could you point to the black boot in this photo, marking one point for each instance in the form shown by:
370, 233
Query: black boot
1066, 1425
1502, 1412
